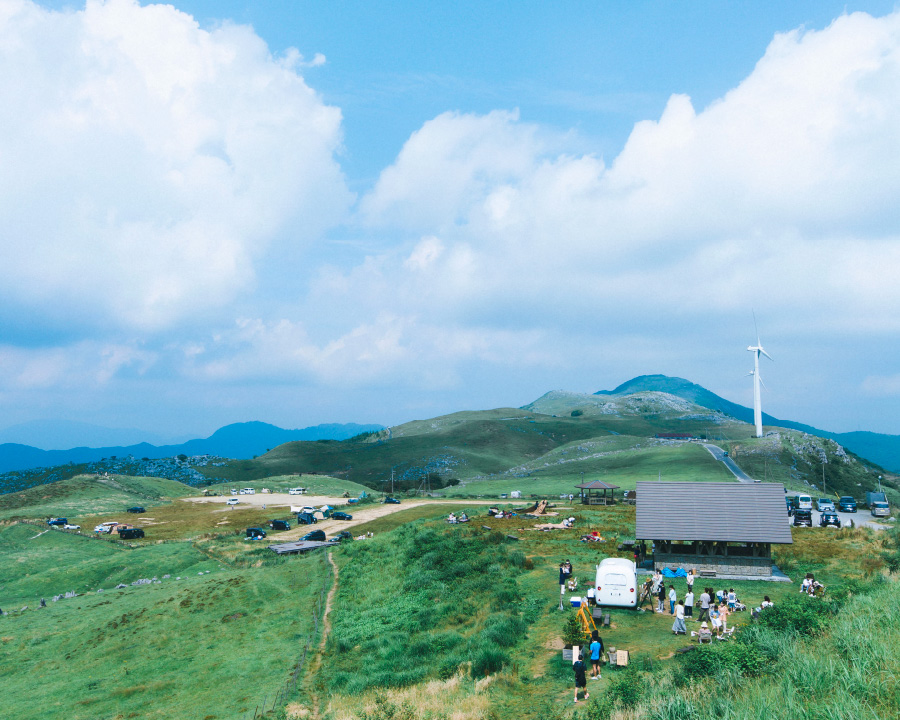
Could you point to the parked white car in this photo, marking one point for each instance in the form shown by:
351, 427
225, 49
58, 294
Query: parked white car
107, 527
72, 527
233, 491
296, 491
232, 501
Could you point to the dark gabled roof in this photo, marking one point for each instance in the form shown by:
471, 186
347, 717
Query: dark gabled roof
723, 512
597, 485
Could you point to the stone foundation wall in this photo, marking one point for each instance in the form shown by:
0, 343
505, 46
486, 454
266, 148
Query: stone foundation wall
721, 565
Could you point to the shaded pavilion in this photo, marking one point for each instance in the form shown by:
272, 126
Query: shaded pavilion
597, 492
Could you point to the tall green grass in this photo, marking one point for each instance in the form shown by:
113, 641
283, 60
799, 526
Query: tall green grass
420, 603
810, 659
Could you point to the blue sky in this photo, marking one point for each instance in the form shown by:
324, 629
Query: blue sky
320, 212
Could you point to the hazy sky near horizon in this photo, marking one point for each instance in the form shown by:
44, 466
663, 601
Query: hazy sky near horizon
304, 212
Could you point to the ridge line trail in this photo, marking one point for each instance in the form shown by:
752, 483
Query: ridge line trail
320, 650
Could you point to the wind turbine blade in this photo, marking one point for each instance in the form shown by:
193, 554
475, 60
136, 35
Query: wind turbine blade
763, 384
755, 327
766, 354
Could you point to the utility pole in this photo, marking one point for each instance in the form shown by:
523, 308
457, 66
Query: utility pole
823, 479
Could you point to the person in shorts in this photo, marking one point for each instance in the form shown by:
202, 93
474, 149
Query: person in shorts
689, 603
580, 676
596, 648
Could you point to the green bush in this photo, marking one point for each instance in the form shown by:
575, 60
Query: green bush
744, 658
625, 692
488, 660
801, 615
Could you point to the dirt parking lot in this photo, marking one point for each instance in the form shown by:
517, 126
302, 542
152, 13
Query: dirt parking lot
361, 513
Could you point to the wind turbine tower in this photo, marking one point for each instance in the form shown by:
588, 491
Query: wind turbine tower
757, 350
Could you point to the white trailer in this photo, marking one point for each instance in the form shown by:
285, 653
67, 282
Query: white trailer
616, 584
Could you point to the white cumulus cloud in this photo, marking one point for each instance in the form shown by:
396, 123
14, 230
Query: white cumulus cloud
146, 163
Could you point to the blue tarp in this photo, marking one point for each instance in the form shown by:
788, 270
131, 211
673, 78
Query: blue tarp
669, 573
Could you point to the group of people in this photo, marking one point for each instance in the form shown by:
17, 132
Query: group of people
811, 586
714, 605
462, 518
595, 651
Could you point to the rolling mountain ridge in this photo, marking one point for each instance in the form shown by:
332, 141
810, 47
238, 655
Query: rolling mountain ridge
881, 449
237, 441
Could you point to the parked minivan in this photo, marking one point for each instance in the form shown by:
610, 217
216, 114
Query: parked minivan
880, 509
804, 502
616, 583
280, 525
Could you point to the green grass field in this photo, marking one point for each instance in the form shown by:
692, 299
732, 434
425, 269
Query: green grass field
210, 646
562, 470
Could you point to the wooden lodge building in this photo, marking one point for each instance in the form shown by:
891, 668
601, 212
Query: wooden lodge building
715, 528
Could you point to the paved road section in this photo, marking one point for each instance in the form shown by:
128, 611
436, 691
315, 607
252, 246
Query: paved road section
719, 454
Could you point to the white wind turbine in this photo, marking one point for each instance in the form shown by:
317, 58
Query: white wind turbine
757, 350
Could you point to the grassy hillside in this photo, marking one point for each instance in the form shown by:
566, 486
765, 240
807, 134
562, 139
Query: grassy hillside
211, 646
481, 444
316, 484
90, 494
42, 563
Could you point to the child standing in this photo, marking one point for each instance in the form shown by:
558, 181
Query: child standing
689, 603
673, 596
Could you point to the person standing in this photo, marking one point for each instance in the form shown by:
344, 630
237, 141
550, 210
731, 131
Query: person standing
661, 598
678, 627
580, 677
704, 605
563, 578
596, 651
716, 620
723, 616
689, 603
673, 596
690, 583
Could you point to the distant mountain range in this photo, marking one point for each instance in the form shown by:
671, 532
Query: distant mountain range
237, 441
881, 449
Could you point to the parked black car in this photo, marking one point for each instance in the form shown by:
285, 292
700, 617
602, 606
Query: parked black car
306, 519
136, 509
829, 518
803, 517
279, 525
341, 515
846, 504
391, 501
58, 521
343, 536
314, 535
130, 533
256, 533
